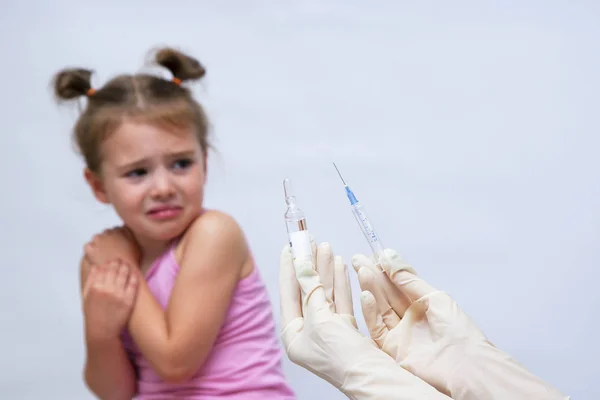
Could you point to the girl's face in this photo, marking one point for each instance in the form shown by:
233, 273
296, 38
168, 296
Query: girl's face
153, 177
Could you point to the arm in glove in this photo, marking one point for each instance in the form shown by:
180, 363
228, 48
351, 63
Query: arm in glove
319, 333
426, 332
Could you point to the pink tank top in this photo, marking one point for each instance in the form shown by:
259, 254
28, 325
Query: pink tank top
245, 361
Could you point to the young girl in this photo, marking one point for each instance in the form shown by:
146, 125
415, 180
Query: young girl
174, 306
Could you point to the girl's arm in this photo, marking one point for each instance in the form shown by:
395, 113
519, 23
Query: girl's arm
108, 372
177, 341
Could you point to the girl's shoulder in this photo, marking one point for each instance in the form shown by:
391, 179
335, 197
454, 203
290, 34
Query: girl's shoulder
214, 226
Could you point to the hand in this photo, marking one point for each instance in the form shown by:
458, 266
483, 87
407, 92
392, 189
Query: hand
426, 332
421, 328
108, 298
319, 333
112, 244
314, 316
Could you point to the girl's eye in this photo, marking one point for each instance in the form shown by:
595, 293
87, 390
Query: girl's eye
136, 173
183, 163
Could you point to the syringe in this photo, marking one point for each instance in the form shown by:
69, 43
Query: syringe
295, 223
363, 221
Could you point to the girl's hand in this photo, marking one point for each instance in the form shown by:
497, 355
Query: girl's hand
113, 244
108, 298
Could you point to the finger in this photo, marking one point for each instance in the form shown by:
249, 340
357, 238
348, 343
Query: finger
88, 248
86, 267
290, 300
341, 288
313, 248
395, 298
111, 272
398, 300
405, 277
289, 333
91, 252
100, 279
373, 319
325, 266
313, 294
131, 289
403, 333
121, 276
91, 278
368, 282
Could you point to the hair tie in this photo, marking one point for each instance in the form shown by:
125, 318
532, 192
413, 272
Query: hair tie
90, 92
177, 81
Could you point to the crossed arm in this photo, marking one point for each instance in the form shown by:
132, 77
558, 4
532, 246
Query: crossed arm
177, 341
108, 373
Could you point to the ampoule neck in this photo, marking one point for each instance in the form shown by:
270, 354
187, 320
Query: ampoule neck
290, 201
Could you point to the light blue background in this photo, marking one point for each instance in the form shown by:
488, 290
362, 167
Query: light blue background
468, 128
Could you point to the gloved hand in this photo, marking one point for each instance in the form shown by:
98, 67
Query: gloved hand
426, 332
319, 333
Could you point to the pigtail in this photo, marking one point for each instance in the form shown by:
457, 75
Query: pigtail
72, 83
182, 66
143, 96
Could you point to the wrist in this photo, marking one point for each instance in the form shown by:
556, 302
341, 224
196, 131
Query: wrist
100, 338
101, 341
102, 350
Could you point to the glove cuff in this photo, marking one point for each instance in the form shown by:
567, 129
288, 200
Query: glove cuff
488, 372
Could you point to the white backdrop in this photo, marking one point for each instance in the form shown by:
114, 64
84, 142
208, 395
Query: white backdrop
469, 131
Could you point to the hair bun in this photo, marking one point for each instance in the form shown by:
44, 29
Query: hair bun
72, 83
181, 65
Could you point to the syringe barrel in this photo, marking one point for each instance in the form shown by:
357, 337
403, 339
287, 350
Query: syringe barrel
363, 221
367, 229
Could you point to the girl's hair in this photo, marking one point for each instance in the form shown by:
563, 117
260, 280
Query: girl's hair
139, 97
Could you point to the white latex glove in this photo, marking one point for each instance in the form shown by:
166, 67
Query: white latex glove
426, 332
319, 333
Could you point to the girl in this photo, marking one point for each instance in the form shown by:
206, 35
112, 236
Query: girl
174, 306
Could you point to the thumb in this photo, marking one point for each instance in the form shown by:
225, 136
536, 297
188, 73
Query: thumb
290, 332
377, 328
404, 276
313, 293
290, 299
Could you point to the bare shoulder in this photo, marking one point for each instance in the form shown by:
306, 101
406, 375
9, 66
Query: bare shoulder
216, 232
215, 224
